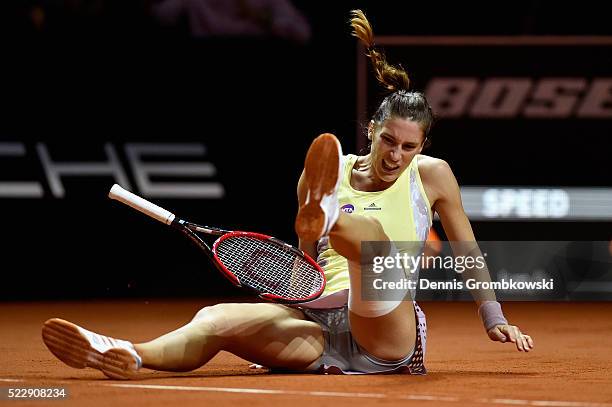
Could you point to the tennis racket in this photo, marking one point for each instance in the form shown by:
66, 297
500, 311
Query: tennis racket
270, 268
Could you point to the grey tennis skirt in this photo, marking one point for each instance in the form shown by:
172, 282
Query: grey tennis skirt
342, 355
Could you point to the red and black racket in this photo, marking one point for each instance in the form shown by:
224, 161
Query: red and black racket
273, 269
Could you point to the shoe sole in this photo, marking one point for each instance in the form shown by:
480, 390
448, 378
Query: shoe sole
69, 345
321, 176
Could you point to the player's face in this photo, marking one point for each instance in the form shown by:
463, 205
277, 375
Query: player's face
394, 145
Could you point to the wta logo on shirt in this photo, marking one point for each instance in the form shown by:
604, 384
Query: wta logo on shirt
372, 207
348, 208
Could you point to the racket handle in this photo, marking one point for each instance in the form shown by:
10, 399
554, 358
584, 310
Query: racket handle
141, 204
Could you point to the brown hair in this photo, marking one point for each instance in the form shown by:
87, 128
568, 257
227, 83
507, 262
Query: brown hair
402, 102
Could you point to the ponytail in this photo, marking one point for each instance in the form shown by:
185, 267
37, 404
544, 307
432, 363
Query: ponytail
393, 78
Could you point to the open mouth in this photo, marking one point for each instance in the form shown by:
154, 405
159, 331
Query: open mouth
388, 167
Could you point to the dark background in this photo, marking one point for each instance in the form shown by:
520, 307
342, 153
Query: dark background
78, 74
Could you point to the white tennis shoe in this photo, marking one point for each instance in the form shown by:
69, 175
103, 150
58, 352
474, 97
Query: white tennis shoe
77, 347
323, 174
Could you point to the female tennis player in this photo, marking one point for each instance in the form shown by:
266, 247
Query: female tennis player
385, 196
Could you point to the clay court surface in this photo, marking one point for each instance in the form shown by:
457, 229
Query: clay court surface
571, 365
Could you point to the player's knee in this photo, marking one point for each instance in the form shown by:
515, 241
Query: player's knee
212, 318
202, 313
375, 244
230, 319
372, 230
377, 230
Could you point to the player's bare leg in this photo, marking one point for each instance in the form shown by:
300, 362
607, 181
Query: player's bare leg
268, 334
272, 335
390, 336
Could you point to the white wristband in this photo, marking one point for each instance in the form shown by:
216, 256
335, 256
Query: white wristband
491, 314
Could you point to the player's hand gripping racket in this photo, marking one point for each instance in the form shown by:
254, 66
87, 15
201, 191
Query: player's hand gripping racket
275, 270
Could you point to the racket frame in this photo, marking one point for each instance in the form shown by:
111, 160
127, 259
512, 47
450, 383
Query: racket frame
189, 229
267, 296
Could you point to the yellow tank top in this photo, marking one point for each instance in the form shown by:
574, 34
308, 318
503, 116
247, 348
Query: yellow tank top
403, 210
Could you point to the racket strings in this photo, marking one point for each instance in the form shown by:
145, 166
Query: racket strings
269, 267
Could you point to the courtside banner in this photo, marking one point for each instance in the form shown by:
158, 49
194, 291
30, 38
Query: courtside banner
485, 270
158, 169
524, 121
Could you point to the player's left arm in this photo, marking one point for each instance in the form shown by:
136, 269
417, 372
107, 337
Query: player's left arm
445, 197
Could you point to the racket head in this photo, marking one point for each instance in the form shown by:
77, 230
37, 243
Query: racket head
276, 270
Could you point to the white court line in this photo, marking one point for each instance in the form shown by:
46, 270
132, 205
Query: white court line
287, 392
11, 380
252, 391
550, 403
422, 397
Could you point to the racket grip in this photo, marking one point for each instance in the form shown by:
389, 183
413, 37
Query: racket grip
141, 204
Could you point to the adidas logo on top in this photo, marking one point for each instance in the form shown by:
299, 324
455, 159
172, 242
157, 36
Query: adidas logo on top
372, 207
